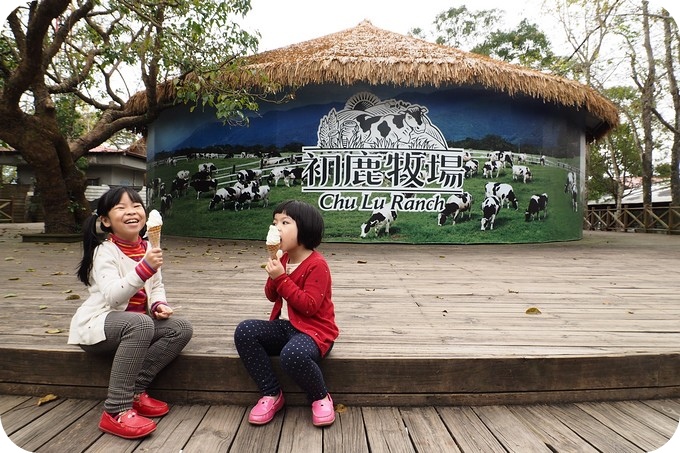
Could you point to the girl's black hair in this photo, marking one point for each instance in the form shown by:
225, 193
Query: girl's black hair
308, 219
90, 237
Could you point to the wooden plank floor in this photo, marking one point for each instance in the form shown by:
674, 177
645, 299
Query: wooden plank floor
70, 425
420, 324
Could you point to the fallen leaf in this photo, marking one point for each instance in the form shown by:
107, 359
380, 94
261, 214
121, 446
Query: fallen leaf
533, 311
30, 269
511, 291
362, 262
9, 258
42, 307
67, 291
7, 296
72, 297
58, 273
340, 408
13, 278
53, 331
47, 398
47, 284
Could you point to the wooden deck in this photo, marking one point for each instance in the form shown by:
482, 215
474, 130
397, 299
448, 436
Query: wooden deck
70, 425
420, 324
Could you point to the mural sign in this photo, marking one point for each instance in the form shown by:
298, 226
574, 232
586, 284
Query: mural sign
449, 166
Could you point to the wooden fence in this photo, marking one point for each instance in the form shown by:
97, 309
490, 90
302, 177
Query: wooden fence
5, 210
659, 218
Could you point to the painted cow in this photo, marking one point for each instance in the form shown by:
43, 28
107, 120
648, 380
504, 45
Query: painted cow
504, 192
455, 205
380, 219
537, 204
393, 128
490, 208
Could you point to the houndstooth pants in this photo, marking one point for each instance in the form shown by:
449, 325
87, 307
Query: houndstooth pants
299, 356
143, 346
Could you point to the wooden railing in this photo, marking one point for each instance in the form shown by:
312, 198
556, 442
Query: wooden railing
660, 218
5, 210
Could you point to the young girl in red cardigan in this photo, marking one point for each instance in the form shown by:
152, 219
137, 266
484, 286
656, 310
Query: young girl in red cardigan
301, 328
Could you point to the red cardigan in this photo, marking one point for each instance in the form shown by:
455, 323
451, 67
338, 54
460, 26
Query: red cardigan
308, 293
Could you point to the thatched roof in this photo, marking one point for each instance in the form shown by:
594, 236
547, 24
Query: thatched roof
372, 55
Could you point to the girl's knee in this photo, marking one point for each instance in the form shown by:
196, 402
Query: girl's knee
243, 330
184, 328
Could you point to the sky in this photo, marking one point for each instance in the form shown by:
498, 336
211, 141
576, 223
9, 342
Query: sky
284, 22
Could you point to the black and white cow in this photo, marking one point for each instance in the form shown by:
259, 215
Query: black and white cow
380, 219
166, 204
201, 176
203, 186
521, 172
493, 155
179, 187
291, 174
471, 168
521, 158
275, 174
506, 158
224, 196
207, 167
490, 208
571, 181
537, 204
574, 198
392, 128
248, 175
454, 205
490, 166
503, 191
542, 160
252, 192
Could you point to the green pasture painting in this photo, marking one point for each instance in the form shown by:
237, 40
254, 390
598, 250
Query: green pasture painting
191, 217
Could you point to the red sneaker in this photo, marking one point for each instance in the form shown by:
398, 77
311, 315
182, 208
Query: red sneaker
323, 413
149, 407
127, 424
265, 409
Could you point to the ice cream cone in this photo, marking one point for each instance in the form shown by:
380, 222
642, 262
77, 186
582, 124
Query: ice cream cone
272, 250
154, 236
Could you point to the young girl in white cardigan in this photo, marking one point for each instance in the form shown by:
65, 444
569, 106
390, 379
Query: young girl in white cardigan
126, 313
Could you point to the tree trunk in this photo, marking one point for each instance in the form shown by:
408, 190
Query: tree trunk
647, 100
60, 185
675, 129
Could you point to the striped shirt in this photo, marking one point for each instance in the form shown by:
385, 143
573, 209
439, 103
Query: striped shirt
136, 251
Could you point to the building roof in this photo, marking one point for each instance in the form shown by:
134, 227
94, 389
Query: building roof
661, 193
372, 55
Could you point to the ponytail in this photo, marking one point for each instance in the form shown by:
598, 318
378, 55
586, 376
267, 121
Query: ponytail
90, 242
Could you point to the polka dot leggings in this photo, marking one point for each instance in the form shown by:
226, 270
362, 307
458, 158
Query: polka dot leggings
256, 340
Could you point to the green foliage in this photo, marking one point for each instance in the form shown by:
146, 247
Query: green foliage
619, 149
526, 45
663, 170
478, 31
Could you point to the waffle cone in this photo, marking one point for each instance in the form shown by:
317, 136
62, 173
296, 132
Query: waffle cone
154, 236
271, 250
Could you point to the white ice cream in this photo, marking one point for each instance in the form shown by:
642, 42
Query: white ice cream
154, 219
273, 236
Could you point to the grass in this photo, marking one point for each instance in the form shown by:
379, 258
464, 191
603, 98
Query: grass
191, 217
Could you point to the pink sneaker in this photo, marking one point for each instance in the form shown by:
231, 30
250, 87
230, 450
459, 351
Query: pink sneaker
323, 413
265, 409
